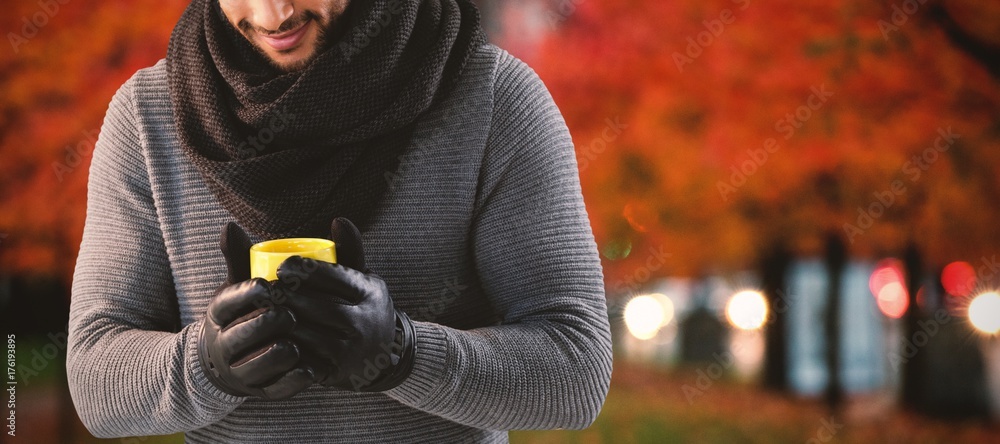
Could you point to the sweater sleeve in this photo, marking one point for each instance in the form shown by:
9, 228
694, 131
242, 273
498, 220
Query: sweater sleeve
131, 372
548, 364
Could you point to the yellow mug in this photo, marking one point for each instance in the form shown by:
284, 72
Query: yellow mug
266, 256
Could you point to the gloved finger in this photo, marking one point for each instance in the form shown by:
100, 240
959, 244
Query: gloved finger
350, 252
235, 245
323, 342
239, 299
333, 320
320, 365
275, 360
295, 272
302, 275
244, 335
321, 307
293, 382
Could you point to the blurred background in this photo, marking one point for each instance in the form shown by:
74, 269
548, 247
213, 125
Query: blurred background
797, 205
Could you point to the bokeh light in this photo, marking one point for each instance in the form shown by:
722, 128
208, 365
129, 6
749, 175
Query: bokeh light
893, 300
889, 288
617, 249
646, 314
639, 215
747, 310
887, 271
958, 278
984, 312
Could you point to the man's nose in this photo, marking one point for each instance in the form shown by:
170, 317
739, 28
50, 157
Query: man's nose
270, 14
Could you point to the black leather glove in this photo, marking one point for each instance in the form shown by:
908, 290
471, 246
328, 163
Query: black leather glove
244, 345
351, 334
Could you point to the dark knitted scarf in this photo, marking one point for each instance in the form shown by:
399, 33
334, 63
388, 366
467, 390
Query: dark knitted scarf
287, 152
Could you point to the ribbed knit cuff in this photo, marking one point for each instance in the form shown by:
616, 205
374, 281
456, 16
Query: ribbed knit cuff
203, 390
428, 366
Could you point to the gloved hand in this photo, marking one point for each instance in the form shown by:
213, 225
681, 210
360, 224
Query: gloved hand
351, 334
244, 345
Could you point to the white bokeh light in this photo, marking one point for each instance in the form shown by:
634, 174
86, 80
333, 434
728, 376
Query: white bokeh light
984, 312
646, 314
747, 310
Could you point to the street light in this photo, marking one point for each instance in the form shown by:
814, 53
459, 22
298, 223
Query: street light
984, 312
646, 314
747, 310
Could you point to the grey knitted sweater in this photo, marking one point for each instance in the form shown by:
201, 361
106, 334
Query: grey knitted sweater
486, 244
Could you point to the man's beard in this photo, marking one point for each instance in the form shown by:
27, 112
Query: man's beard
323, 34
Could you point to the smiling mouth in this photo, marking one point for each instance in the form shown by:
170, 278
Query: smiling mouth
286, 41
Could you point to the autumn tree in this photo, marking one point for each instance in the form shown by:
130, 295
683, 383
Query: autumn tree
61, 64
749, 126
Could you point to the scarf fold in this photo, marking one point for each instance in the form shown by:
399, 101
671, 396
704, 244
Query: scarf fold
286, 152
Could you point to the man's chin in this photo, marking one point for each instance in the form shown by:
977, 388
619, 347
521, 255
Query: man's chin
288, 61
289, 64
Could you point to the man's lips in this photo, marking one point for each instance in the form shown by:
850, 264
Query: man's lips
286, 40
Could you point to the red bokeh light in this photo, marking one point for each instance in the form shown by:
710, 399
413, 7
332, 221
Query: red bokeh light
886, 272
639, 215
958, 278
889, 288
893, 300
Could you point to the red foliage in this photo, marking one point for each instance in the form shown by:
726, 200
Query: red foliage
692, 123
57, 83
656, 184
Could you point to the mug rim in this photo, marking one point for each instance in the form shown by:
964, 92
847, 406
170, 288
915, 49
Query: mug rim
318, 243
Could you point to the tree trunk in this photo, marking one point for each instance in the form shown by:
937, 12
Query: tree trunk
914, 367
773, 270
836, 258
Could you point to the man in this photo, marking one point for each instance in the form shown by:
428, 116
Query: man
468, 296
